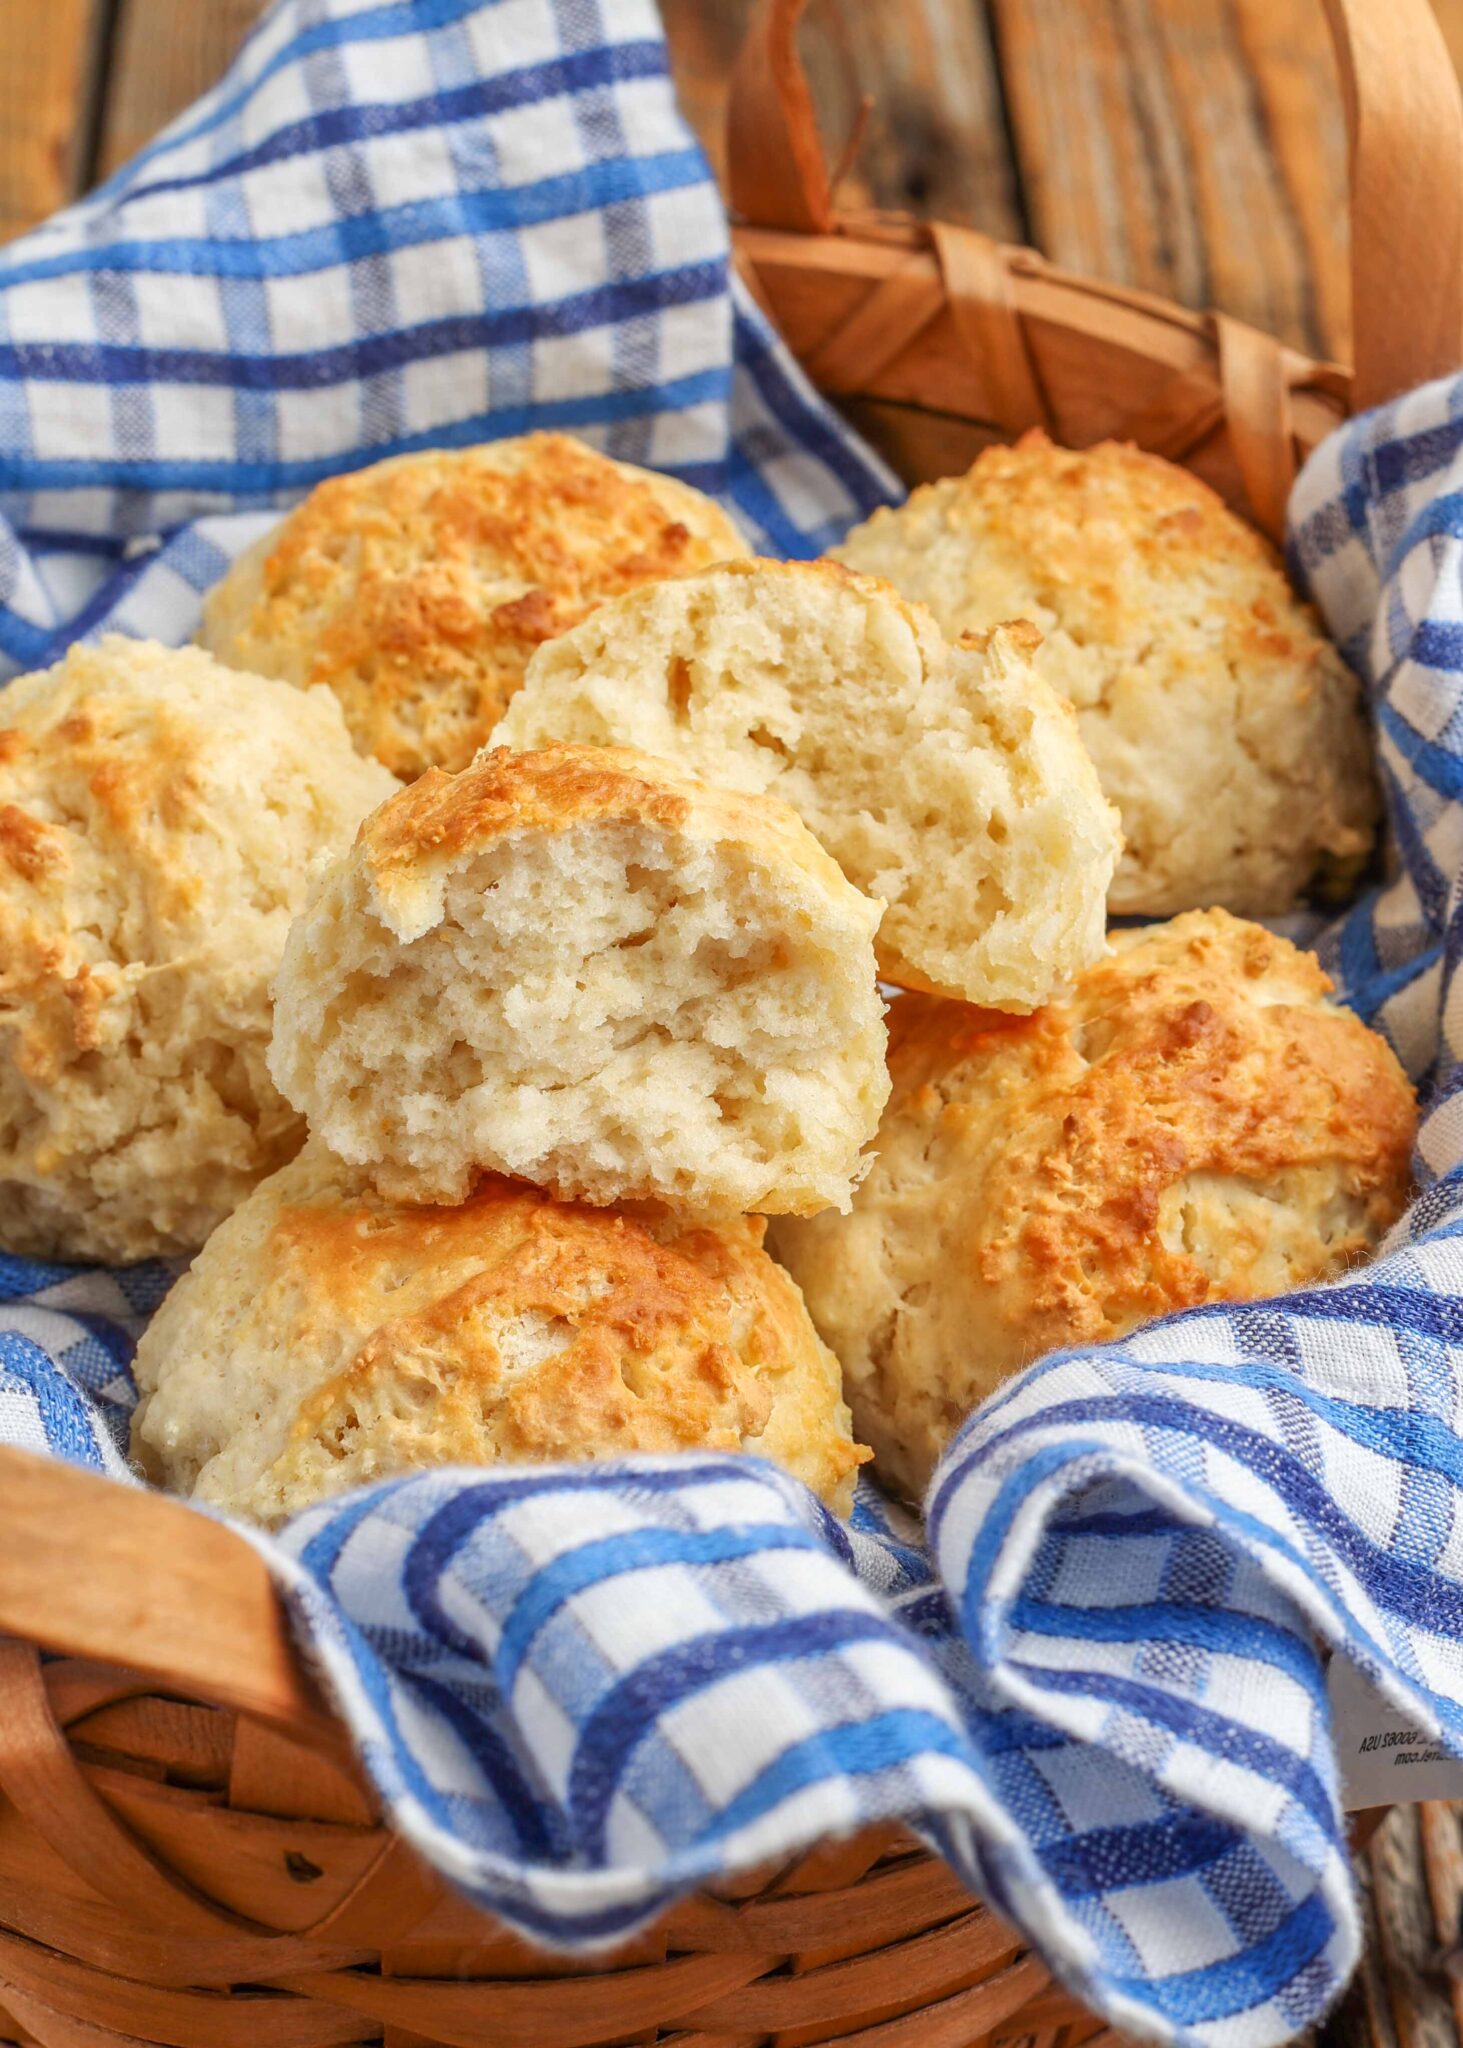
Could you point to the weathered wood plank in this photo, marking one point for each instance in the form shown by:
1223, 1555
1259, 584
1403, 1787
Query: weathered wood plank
936, 142
47, 65
1406, 1993
1261, 123
1194, 149
1450, 19
1298, 95
164, 54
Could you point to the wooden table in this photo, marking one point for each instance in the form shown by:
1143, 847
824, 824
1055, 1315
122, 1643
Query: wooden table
1190, 146
1193, 147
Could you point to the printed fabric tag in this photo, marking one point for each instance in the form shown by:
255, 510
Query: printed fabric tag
1386, 1759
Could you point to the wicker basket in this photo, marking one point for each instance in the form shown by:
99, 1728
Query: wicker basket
188, 1852
935, 340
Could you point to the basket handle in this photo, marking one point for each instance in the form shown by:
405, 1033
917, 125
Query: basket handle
120, 1575
1404, 119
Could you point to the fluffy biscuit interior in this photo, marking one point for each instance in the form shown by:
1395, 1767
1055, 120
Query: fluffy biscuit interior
949, 781
616, 1010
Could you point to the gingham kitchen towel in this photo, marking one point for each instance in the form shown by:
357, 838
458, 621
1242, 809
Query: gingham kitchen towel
1097, 1689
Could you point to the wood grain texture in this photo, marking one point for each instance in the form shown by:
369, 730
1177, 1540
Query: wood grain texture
1192, 147
212, 1611
1405, 1994
166, 1874
936, 141
164, 54
47, 70
1196, 151
1450, 20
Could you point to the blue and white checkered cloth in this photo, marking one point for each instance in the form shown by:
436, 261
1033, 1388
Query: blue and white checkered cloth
1098, 1688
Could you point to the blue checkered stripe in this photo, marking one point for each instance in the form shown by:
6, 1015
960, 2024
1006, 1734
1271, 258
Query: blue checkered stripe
1146, 1543
390, 226
66, 1343
1376, 529
1096, 1687
586, 1691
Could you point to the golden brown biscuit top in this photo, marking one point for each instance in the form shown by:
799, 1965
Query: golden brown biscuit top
417, 589
1095, 528
825, 573
444, 816
135, 763
133, 770
1200, 1052
644, 1336
1119, 496
568, 522
441, 820
513, 1326
103, 779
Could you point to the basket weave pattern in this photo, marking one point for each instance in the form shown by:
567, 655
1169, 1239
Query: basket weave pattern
936, 339
177, 1872
188, 1853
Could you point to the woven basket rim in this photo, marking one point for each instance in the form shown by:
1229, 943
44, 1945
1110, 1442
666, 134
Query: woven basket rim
947, 321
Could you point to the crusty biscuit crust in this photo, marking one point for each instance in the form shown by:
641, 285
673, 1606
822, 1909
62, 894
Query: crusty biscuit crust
1224, 726
161, 818
418, 589
1195, 1123
326, 1339
435, 825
